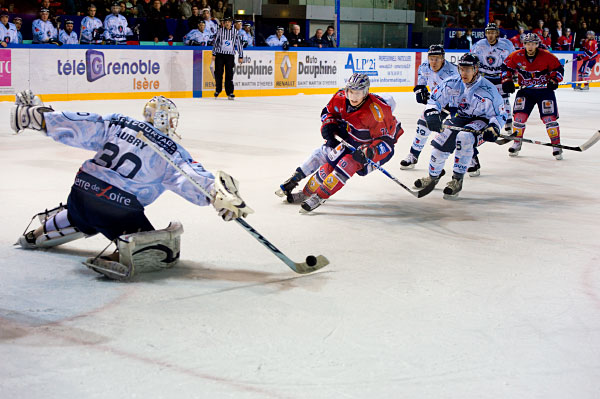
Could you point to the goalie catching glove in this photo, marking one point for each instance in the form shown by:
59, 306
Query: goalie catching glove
226, 198
28, 112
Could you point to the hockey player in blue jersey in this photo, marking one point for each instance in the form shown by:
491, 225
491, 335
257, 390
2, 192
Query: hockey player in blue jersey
479, 107
198, 36
491, 53
67, 36
431, 73
126, 174
116, 29
91, 27
43, 30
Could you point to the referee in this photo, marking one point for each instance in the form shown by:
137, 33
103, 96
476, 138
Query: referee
227, 41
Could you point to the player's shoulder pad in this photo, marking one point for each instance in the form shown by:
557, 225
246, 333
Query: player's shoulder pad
380, 101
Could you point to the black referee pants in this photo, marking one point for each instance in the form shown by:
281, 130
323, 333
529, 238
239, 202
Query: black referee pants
227, 62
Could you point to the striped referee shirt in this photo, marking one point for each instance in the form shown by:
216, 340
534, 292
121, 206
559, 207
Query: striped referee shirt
227, 41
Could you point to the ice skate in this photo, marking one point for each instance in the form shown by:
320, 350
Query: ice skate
508, 127
427, 180
286, 188
453, 188
27, 241
557, 153
295, 198
409, 162
231, 97
216, 94
474, 167
311, 203
514, 149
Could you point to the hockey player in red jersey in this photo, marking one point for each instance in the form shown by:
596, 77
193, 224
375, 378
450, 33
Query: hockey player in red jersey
366, 122
590, 53
516, 40
539, 73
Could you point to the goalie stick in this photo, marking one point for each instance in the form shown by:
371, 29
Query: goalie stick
419, 194
591, 141
311, 264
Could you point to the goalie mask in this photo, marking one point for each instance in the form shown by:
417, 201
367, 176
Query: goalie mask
162, 114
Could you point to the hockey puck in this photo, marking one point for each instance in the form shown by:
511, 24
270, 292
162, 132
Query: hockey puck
311, 260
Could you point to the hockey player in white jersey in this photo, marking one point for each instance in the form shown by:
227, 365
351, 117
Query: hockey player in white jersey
491, 53
91, 27
126, 174
199, 36
8, 31
43, 30
479, 107
431, 73
67, 36
116, 28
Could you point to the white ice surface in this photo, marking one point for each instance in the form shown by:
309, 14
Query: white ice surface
495, 295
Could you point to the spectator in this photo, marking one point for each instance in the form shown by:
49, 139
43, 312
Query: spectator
91, 27
573, 13
528, 22
459, 41
43, 30
513, 8
171, 9
116, 28
330, 37
246, 36
138, 10
195, 17
581, 34
8, 30
72, 7
540, 28
278, 39
197, 37
546, 39
211, 24
227, 43
156, 23
517, 40
521, 23
318, 40
185, 9
18, 23
511, 21
556, 33
294, 37
52, 10
67, 36
565, 42
221, 10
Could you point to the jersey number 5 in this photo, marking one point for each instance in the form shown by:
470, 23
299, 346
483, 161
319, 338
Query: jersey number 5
110, 153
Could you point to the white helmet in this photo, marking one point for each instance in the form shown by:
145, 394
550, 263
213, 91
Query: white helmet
162, 114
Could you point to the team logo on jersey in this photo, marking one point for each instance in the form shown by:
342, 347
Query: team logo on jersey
519, 103
120, 29
463, 105
376, 111
547, 107
490, 60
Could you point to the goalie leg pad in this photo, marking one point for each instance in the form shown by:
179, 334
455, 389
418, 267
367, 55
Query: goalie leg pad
56, 230
143, 252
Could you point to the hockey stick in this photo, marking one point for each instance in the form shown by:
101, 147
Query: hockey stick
592, 140
419, 194
311, 264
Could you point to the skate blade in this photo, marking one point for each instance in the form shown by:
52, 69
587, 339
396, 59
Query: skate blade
280, 193
558, 157
513, 154
474, 174
411, 166
107, 268
451, 196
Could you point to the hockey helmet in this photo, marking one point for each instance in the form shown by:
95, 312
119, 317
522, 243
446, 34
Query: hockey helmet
162, 114
358, 82
492, 26
436, 49
531, 38
591, 33
468, 59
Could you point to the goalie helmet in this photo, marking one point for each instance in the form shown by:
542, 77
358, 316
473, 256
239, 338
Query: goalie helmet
162, 114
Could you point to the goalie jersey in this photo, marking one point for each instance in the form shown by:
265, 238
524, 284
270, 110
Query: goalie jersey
124, 161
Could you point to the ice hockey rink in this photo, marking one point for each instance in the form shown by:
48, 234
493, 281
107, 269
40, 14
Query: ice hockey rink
495, 295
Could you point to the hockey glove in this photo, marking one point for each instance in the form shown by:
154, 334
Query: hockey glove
25, 117
363, 153
579, 57
26, 97
434, 122
508, 87
422, 93
491, 133
226, 198
552, 84
330, 130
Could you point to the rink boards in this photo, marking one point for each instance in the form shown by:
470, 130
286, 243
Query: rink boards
118, 72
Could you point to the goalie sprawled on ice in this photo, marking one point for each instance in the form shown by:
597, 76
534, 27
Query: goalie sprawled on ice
111, 190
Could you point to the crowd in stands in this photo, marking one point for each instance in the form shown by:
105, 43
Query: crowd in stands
550, 19
117, 22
